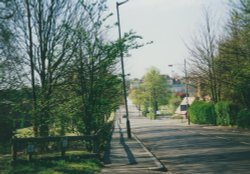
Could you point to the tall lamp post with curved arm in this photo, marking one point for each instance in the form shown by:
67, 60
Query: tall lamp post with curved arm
123, 71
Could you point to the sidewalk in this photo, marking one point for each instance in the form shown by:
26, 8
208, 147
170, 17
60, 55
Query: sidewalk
129, 156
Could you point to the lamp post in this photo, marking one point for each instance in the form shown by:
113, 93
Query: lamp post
123, 71
186, 89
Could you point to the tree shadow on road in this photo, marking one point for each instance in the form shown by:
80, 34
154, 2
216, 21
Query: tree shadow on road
130, 155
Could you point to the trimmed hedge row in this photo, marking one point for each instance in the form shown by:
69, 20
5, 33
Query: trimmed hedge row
202, 113
222, 113
243, 120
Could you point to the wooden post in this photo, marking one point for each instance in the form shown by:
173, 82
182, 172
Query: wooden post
64, 145
96, 144
30, 150
13, 149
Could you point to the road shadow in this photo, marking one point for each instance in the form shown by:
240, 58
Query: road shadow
107, 155
129, 153
197, 150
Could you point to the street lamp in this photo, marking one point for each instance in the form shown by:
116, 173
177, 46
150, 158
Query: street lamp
123, 71
186, 89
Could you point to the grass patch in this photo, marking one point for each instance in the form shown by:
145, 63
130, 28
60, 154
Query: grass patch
166, 110
69, 165
178, 116
57, 167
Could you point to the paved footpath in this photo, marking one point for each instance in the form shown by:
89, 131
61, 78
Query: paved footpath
129, 156
184, 149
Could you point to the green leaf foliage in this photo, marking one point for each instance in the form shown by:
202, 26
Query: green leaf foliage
6, 123
174, 102
155, 89
222, 110
150, 116
68, 67
234, 56
152, 92
243, 119
202, 113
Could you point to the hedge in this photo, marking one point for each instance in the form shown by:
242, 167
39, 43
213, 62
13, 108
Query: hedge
6, 123
201, 112
222, 113
243, 119
222, 110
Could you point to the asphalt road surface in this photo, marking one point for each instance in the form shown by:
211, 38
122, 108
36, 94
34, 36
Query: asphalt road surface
193, 149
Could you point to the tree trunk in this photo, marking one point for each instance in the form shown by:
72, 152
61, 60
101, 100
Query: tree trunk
34, 98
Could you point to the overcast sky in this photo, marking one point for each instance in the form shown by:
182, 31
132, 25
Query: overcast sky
168, 23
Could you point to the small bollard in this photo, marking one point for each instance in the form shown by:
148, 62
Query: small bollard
30, 150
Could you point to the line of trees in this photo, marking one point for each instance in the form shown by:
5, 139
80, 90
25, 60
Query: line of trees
220, 63
55, 51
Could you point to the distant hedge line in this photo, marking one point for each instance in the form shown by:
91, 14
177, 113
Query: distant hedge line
222, 113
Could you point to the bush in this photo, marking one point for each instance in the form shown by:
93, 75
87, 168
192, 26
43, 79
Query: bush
202, 113
234, 110
150, 115
6, 123
174, 102
222, 110
243, 119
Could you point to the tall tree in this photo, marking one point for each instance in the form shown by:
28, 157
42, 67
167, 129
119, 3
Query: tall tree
43, 38
203, 52
9, 62
64, 58
155, 89
95, 62
234, 52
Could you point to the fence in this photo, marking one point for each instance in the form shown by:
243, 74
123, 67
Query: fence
95, 143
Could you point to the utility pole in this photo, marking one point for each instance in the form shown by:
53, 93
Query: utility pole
123, 71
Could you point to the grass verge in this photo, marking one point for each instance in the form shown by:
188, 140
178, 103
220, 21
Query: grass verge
73, 164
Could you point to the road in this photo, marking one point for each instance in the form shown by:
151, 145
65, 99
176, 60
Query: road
193, 149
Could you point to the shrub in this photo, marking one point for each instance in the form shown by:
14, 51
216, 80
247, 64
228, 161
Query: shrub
150, 115
243, 119
6, 123
234, 110
174, 102
202, 113
222, 110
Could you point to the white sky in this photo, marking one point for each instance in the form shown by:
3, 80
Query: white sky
168, 23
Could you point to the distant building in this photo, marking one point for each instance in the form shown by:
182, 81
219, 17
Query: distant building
176, 85
178, 88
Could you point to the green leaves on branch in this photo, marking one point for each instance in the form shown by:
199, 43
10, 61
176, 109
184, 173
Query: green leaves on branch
152, 93
202, 113
220, 62
60, 54
234, 56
